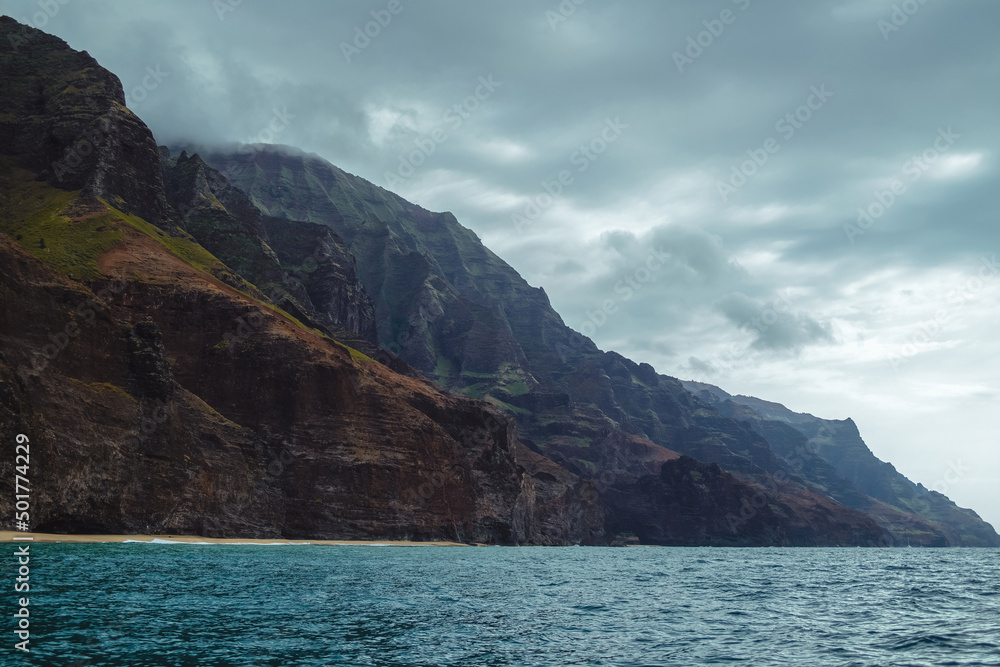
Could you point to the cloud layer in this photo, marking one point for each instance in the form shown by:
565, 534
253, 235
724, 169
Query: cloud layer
790, 200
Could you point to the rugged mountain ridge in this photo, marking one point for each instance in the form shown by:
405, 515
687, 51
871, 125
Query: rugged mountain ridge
909, 512
207, 308
621, 457
64, 118
304, 268
165, 392
458, 313
472, 324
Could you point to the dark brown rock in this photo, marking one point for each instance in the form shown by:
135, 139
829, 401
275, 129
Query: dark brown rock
64, 116
163, 426
691, 503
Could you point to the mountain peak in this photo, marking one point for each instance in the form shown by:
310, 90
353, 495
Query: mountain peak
63, 116
258, 284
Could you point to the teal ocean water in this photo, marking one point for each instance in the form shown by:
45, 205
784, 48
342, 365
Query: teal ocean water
150, 604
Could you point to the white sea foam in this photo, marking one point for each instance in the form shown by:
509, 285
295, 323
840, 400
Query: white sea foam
159, 540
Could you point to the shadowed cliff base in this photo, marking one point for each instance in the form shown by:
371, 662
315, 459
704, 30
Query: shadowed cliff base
191, 343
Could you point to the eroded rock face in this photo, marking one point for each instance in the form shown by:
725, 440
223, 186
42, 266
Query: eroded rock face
64, 116
149, 421
164, 393
187, 403
302, 267
432, 281
319, 261
461, 315
693, 503
116, 445
831, 455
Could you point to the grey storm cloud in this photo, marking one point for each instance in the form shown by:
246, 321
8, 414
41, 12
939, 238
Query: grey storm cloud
773, 325
700, 255
823, 203
686, 255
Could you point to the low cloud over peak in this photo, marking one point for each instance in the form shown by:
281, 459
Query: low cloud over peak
609, 134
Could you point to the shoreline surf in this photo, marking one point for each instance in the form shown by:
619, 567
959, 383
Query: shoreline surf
9, 535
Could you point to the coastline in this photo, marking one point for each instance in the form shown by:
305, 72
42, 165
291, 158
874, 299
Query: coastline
9, 535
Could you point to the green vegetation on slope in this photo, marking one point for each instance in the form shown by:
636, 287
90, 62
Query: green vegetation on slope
196, 256
42, 219
35, 216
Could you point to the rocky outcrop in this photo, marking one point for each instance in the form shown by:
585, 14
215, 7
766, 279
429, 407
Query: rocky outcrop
64, 117
430, 278
303, 268
164, 392
691, 503
461, 315
831, 456
191, 375
318, 260
150, 420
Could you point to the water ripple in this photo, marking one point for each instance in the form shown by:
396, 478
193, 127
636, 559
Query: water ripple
179, 605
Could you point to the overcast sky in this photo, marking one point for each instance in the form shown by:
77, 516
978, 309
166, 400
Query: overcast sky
713, 157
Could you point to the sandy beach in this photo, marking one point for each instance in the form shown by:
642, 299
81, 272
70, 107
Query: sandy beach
9, 535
